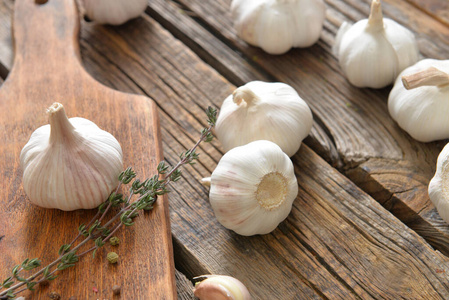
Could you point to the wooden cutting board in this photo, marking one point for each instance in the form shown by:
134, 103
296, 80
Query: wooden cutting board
47, 69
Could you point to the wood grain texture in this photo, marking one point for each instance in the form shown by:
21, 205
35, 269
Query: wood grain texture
356, 121
46, 69
184, 287
439, 10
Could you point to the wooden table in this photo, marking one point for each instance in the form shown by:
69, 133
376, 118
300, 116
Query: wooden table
362, 227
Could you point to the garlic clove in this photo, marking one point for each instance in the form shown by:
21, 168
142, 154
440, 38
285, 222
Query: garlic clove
220, 287
345, 26
70, 163
439, 185
264, 111
114, 12
373, 51
278, 25
253, 188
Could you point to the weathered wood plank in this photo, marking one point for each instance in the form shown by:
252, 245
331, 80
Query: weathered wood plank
6, 48
356, 119
338, 243
184, 287
439, 10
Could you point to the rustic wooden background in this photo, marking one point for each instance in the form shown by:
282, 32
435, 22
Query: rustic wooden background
362, 227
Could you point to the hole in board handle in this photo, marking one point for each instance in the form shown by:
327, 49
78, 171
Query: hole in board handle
40, 2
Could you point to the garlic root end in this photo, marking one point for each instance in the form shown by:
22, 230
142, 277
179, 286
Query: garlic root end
205, 181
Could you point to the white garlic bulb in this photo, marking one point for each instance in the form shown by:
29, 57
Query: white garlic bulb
423, 109
220, 287
439, 185
373, 51
264, 111
70, 163
114, 12
253, 188
278, 25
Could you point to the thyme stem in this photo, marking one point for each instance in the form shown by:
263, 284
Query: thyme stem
146, 193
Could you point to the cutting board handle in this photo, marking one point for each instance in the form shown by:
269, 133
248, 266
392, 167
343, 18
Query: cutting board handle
46, 69
46, 35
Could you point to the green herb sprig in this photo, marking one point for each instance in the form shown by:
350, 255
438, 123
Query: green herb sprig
142, 196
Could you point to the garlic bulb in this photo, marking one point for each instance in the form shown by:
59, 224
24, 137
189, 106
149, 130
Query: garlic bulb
70, 163
373, 51
114, 12
264, 111
439, 185
423, 109
253, 188
278, 25
220, 287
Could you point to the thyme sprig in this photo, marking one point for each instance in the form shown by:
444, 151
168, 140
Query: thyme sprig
142, 196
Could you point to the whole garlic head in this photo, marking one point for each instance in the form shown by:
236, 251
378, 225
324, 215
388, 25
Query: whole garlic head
220, 287
423, 109
439, 185
253, 188
373, 51
70, 163
278, 25
264, 111
114, 12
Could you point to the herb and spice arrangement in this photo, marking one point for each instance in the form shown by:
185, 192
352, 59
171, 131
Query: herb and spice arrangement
141, 196
74, 164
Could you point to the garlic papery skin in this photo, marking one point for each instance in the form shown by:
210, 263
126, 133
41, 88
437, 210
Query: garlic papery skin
278, 25
253, 188
70, 164
439, 185
423, 110
113, 12
220, 287
264, 111
373, 51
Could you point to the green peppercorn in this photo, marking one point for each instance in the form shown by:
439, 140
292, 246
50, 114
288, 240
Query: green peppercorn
116, 290
114, 241
112, 257
54, 295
